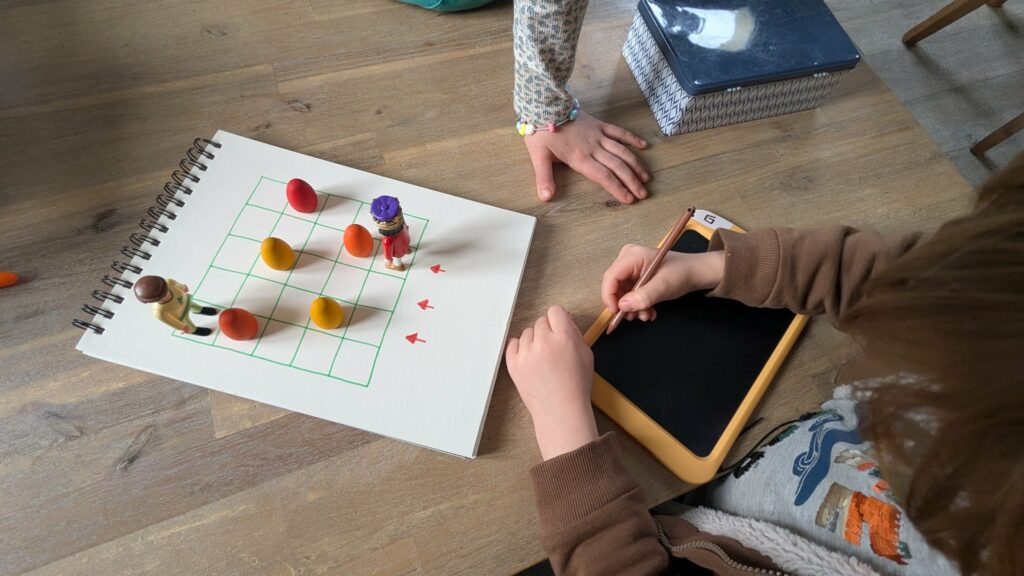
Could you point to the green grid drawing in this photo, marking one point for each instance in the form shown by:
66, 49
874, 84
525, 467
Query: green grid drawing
350, 306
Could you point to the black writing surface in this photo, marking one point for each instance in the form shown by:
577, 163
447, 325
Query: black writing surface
690, 369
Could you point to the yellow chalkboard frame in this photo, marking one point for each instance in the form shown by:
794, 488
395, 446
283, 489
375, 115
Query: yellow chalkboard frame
679, 459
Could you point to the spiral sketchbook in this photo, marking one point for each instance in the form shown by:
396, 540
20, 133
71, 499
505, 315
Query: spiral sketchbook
417, 353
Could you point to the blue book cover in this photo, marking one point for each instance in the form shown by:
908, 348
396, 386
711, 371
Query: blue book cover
713, 45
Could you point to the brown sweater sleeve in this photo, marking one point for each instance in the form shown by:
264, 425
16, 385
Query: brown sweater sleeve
816, 271
593, 515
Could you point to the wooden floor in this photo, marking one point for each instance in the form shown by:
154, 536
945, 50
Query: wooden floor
960, 84
107, 470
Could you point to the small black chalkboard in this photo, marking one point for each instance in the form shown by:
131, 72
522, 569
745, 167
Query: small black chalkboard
690, 369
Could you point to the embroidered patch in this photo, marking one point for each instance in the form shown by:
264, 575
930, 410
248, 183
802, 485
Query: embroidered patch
848, 511
812, 465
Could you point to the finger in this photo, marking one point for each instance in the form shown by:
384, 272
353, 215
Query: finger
622, 171
654, 314
597, 172
631, 316
542, 160
512, 349
627, 156
526, 339
623, 272
542, 326
655, 290
561, 322
622, 135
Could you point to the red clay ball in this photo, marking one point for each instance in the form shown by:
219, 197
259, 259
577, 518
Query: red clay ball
238, 324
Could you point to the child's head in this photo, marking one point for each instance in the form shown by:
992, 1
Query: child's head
150, 289
951, 312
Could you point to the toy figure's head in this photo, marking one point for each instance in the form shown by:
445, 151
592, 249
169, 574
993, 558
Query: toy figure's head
387, 213
150, 289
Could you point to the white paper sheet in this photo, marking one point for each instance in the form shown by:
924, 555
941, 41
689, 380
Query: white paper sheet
418, 353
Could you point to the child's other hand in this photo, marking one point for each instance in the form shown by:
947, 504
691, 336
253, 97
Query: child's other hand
679, 274
593, 148
554, 370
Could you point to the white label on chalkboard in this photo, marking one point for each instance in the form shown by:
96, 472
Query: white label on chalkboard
711, 220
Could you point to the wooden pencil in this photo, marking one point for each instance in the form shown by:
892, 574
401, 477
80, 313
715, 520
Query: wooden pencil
666, 245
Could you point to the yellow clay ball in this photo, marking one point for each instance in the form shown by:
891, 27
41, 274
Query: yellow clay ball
277, 254
326, 313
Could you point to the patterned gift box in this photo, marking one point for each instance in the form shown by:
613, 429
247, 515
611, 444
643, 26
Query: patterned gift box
679, 112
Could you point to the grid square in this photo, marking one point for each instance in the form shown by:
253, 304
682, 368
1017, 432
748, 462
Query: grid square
269, 194
310, 273
367, 325
243, 346
220, 287
254, 223
338, 212
381, 291
344, 283
417, 226
258, 296
293, 307
320, 199
316, 351
324, 242
237, 254
293, 232
279, 342
354, 362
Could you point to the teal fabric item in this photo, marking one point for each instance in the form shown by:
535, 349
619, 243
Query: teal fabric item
448, 5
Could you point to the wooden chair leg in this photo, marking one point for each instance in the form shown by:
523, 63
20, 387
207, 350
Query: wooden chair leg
999, 134
950, 13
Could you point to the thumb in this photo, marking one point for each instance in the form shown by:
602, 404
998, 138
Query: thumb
645, 296
545, 179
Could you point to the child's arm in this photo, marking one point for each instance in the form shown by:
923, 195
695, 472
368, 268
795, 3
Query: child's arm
545, 37
817, 271
171, 320
593, 514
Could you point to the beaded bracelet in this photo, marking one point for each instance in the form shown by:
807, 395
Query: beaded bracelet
525, 128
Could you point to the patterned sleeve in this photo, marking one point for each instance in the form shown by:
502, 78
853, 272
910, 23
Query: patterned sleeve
545, 33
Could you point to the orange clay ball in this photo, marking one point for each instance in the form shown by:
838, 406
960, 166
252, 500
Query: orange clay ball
238, 324
358, 241
8, 279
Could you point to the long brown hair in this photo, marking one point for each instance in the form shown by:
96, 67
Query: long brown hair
951, 312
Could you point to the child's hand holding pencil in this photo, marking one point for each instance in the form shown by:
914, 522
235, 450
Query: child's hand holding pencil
678, 274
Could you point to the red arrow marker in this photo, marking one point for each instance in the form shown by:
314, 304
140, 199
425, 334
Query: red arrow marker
424, 304
437, 268
414, 338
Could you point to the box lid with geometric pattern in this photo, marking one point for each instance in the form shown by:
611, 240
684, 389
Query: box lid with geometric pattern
713, 45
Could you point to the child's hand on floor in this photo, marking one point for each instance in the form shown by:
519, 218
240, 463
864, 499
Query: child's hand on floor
679, 274
593, 148
553, 370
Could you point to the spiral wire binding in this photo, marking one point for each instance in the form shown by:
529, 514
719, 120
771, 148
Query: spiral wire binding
165, 203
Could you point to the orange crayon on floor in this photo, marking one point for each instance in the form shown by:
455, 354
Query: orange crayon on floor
8, 279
